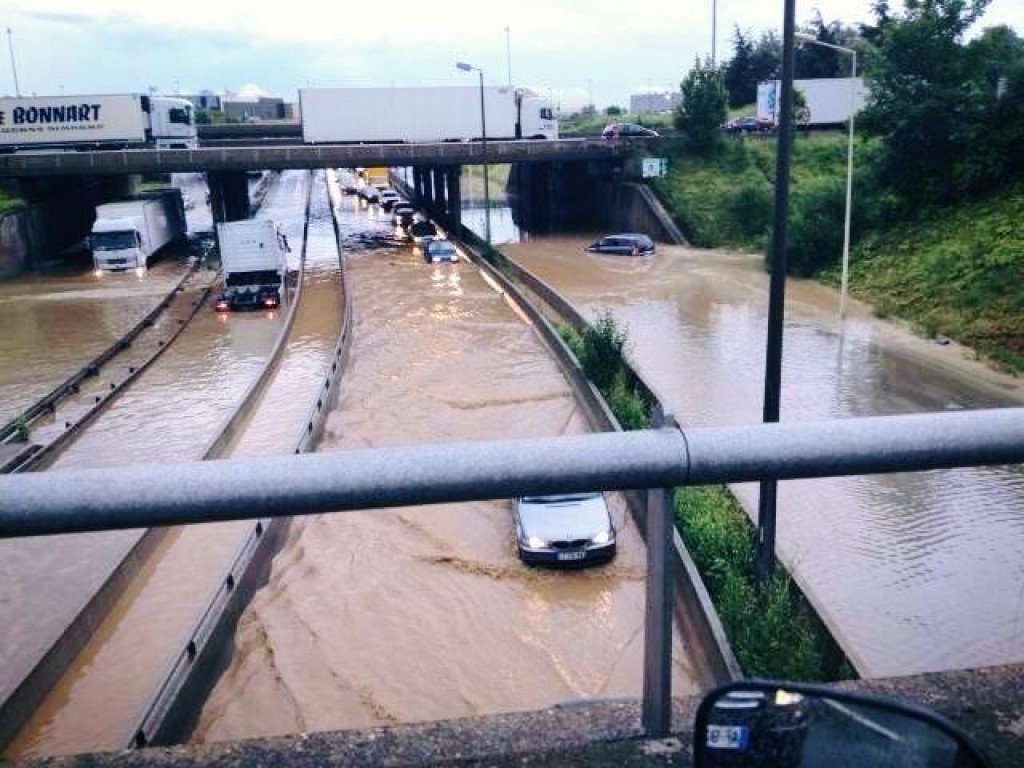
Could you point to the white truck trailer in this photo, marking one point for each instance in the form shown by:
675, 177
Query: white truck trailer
423, 114
106, 121
127, 233
253, 262
830, 100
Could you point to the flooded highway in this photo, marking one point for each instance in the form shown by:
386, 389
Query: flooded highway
913, 572
171, 413
414, 614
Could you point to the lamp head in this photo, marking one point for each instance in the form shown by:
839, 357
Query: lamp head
463, 66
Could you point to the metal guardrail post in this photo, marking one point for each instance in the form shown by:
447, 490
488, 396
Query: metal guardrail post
656, 711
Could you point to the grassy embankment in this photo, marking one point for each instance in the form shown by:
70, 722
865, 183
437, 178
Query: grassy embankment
950, 271
772, 629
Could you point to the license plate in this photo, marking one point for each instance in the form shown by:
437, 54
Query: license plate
572, 555
728, 736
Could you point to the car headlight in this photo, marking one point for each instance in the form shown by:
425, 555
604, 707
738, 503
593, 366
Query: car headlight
536, 542
786, 698
603, 537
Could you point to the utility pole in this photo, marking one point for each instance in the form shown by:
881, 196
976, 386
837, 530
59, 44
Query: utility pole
508, 54
766, 510
14, 68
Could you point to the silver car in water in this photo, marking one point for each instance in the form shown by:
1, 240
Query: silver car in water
568, 529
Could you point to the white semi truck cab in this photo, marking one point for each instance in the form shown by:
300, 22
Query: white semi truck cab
127, 233
253, 262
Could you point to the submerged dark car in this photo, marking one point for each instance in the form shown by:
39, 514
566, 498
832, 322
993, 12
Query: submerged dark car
629, 244
569, 529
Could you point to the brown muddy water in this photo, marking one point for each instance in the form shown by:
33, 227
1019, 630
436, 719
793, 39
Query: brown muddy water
171, 413
913, 572
414, 614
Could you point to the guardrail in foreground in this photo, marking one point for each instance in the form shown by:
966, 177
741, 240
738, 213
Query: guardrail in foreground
193, 492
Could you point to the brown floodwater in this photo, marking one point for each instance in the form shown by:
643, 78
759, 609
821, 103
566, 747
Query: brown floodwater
171, 413
913, 572
415, 614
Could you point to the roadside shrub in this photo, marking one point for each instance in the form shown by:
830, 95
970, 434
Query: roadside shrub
749, 207
601, 353
816, 226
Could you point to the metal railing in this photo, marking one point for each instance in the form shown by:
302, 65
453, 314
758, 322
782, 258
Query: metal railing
195, 492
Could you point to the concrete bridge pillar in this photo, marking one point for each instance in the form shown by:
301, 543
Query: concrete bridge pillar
229, 195
454, 196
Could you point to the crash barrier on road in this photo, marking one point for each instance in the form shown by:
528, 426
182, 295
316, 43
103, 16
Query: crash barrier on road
285, 486
699, 625
173, 707
26, 697
197, 653
20, 705
49, 402
259, 192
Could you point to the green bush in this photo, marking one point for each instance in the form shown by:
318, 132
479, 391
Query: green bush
774, 632
601, 353
749, 207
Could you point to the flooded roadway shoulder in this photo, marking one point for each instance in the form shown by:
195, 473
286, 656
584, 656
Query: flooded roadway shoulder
90, 619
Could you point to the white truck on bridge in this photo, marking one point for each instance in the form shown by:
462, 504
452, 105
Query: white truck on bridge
127, 233
105, 121
830, 100
423, 114
252, 257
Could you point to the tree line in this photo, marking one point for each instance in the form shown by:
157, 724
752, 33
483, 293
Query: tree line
946, 114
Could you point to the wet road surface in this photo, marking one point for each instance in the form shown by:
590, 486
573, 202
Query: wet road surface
415, 614
171, 413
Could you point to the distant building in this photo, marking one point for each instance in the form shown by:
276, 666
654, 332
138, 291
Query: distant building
262, 108
645, 103
204, 100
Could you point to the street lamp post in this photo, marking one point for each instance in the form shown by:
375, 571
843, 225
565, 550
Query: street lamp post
14, 68
849, 165
483, 140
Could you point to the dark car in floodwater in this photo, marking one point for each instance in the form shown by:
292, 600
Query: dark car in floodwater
628, 244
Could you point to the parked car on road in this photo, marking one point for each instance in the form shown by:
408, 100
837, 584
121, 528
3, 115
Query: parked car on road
748, 124
629, 244
422, 230
388, 198
568, 529
402, 214
369, 193
627, 131
438, 250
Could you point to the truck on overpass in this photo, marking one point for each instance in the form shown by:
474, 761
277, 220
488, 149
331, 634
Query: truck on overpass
423, 114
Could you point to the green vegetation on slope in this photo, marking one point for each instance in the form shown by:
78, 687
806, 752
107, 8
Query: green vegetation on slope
956, 272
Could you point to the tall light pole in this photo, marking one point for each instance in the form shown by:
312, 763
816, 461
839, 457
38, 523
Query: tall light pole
714, 29
849, 165
483, 139
508, 54
14, 69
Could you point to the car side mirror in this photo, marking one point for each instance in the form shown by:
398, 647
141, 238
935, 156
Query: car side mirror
764, 724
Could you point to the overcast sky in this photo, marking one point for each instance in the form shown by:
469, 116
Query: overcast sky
606, 49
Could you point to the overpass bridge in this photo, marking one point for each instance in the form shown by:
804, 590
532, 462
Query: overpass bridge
436, 166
